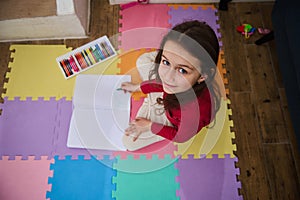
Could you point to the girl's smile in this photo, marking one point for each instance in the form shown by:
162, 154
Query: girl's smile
178, 69
169, 85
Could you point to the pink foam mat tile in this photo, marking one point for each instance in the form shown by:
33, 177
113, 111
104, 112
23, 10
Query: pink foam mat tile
143, 26
154, 15
213, 178
142, 38
24, 179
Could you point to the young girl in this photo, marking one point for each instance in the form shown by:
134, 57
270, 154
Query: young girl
181, 95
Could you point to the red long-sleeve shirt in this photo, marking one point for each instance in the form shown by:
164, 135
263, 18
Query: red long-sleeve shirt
187, 120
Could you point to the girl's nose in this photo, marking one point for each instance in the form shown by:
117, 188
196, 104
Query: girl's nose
170, 74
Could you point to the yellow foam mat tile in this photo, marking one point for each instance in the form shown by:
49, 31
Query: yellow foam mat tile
216, 140
34, 73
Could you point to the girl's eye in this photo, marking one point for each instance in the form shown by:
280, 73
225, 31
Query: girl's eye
182, 71
165, 62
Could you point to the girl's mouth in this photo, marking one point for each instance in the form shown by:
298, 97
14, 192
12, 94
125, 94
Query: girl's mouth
169, 85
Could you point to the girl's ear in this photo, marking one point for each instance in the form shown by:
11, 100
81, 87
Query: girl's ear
202, 78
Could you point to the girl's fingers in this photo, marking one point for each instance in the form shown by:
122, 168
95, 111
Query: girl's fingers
127, 133
136, 136
133, 133
133, 130
130, 130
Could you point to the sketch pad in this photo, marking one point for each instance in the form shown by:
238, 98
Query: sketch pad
100, 112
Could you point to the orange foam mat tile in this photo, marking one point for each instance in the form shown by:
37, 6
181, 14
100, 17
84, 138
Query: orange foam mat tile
127, 65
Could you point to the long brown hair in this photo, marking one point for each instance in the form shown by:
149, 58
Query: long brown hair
200, 40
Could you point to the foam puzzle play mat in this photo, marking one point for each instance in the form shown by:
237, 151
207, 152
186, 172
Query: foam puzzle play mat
36, 163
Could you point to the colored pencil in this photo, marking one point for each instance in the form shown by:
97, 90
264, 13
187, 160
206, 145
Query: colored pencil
66, 71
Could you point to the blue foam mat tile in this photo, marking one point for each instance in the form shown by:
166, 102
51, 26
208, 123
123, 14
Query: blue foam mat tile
82, 178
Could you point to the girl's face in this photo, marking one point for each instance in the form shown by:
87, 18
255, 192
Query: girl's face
178, 69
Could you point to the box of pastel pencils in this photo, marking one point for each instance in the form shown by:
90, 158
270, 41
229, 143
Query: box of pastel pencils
85, 57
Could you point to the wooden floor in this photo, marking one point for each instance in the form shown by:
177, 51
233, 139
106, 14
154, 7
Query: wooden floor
268, 159
26, 9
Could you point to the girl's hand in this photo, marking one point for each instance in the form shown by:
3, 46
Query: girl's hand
137, 127
130, 87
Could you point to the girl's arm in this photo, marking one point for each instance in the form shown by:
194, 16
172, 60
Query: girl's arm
187, 121
151, 86
130, 87
146, 87
174, 133
177, 134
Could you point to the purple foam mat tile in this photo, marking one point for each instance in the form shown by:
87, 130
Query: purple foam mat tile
210, 179
62, 128
208, 15
27, 127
